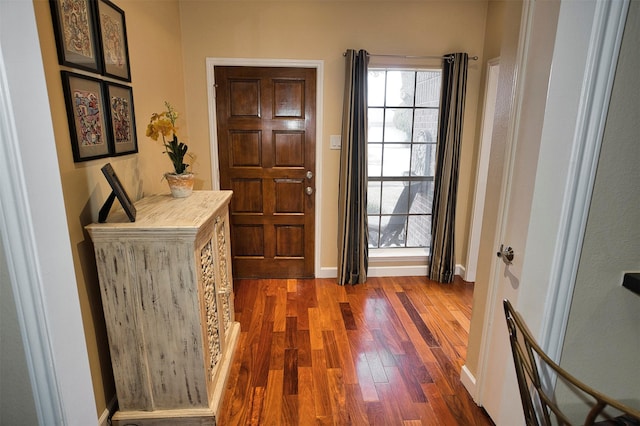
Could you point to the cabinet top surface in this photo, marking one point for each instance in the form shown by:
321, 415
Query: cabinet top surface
157, 212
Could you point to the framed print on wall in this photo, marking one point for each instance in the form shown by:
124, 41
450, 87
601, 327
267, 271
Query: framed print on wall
86, 113
113, 33
76, 34
122, 124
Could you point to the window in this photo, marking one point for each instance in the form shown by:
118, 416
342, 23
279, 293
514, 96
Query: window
402, 129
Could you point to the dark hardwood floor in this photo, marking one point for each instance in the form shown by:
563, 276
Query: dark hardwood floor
387, 352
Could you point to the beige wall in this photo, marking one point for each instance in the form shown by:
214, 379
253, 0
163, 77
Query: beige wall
168, 44
156, 68
315, 30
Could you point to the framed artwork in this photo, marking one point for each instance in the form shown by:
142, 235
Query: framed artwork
113, 34
117, 192
76, 34
87, 116
122, 124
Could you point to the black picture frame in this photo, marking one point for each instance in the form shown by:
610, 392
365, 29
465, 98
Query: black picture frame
77, 39
121, 116
114, 49
87, 116
117, 192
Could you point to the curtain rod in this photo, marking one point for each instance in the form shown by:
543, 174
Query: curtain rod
474, 58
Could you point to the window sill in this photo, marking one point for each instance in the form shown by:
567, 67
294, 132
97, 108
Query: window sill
411, 255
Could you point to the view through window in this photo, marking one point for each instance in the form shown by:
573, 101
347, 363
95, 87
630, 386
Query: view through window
402, 129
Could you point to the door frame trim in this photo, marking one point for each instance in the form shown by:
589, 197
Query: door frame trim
482, 166
597, 84
211, 63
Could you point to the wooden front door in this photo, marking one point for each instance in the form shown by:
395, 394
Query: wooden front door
266, 148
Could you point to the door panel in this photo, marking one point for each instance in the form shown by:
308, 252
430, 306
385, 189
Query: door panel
266, 145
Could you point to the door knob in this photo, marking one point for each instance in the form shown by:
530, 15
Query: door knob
308, 190
506, 254
309, 174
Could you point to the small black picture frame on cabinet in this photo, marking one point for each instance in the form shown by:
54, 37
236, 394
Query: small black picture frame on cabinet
117, 192
113, 35
122, 123
87, 116
76, 34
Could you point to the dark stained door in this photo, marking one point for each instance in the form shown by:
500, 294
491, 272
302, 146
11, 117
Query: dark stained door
266, 148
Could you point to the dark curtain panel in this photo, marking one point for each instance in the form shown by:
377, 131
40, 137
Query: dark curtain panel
353, 234
454, 86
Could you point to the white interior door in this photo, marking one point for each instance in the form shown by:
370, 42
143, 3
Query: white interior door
516, 194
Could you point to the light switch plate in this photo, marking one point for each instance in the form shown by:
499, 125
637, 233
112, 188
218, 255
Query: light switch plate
335, 141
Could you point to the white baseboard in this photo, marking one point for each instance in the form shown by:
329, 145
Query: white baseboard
389, 271
397, 271
469, 382
331, 272
461, 271
108, 412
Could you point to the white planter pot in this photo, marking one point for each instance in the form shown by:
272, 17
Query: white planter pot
181, 185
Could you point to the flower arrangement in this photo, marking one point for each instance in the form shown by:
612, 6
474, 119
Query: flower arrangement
164, 124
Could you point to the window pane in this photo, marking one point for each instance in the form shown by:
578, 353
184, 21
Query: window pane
419, 231
400, 87
393, 231
374, 231
421, 197
375, 126
373, 197
398, 124
423, 159
403, 130
428, 89
376, 87
425, 125
374, 154
395, 197
396, 160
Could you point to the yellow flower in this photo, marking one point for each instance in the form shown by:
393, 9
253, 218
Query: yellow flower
164, 124
152, 132
164, 127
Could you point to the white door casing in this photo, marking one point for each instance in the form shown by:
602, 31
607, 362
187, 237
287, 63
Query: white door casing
33, 226
211, 63
482, 167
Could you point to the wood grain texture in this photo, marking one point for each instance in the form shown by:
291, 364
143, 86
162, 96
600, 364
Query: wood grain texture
387, 352
167, 295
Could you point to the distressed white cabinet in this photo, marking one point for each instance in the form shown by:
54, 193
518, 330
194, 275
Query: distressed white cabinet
167, 294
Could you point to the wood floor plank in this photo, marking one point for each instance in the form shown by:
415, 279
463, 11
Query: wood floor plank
392, 414
338, 396
290, 413
404, 396
304, 348
321, 398
306, 406
387, 352
277, 351
356, 408
280, 310
272, 408
347, 316
365, 377
290, 384
344, 351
